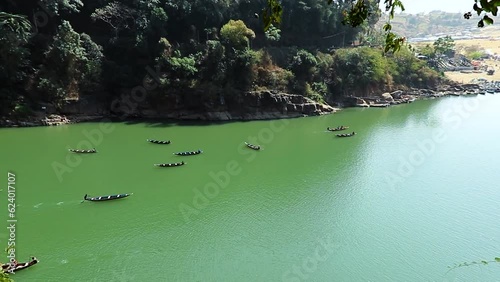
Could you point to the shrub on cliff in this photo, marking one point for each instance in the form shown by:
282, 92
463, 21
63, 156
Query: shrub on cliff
242, 69
177, 70
212, 63
303, 65
271, 76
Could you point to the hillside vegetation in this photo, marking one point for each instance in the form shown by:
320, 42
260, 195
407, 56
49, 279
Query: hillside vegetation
436, 22
70, 49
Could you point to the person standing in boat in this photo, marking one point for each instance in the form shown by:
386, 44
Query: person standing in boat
10, 266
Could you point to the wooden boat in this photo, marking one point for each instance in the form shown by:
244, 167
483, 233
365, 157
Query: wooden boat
171, 164
346, 135
8, 268
339, 128
254, 147
83, 151
189, 153
105, 198
158, 141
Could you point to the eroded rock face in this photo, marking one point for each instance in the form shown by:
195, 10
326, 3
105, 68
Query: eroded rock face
388, 97
254, 105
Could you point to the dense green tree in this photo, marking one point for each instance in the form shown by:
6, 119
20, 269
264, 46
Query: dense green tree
213, 63
406, 69
273, 33
139, 20
428, 51
358, 69
242, 69
14, 59
72, 61
56, 7
235, 34
303, 64
445, 45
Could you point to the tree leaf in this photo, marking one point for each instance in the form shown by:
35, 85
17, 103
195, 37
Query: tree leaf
487, 20
494, 10
477, 9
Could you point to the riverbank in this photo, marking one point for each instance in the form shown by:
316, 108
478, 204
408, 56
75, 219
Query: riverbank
195, 106
256, 105
402, 97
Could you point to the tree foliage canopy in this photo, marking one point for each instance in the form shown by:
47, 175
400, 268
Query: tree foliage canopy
99, 49
444, 45
236, 34
359, 11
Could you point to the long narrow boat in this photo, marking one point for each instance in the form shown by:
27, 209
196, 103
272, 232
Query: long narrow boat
158, 141
105, 198
83, 151
346, 135
189, 153
171, 164
339, 128
254, 147
19, 266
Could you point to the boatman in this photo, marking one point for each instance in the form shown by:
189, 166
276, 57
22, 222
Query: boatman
10, 266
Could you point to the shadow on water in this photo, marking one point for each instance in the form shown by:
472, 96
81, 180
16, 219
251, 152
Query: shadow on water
158, 122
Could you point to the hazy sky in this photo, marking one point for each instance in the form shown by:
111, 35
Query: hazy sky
419, 6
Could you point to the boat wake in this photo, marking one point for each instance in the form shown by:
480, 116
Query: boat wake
59, 204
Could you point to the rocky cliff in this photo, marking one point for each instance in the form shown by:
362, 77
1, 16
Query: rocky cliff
198, 105
195, 105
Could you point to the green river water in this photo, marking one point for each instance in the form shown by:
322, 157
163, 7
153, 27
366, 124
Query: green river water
412, 194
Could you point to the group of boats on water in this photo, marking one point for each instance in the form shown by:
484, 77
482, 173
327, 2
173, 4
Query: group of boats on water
11, 267
340, 128
121, 196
